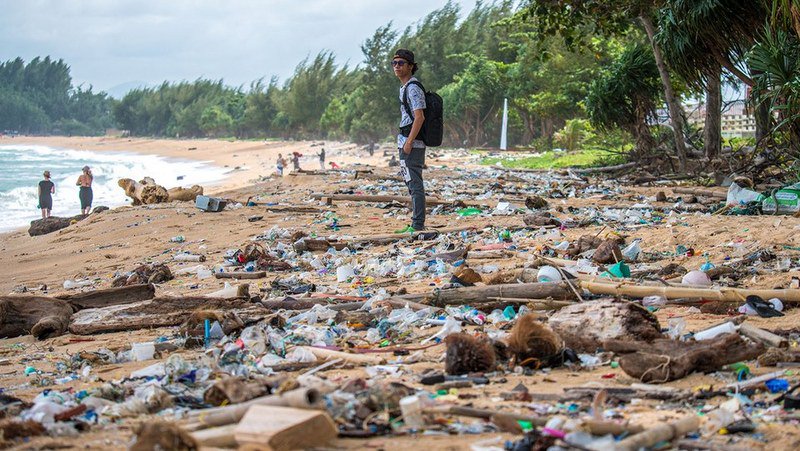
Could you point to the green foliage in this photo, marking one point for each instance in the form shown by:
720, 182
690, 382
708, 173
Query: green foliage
775, 61
625, 96
574, 134
38, 97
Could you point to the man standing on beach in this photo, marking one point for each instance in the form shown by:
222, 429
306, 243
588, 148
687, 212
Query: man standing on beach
321, 156
411, 149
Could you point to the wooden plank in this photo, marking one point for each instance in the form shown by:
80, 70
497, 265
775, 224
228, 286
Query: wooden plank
284, 428
110, 296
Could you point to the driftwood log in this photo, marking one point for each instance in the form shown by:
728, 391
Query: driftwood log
43, 317
52, 224
391, 238
377, 198
110, 296
469, 295
666, 360
586, 325
158, 312
659, 433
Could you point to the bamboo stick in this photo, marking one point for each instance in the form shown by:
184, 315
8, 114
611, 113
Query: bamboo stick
302, 398
763, 336
377, 198
328, 354
483, 413
676, 292
468, 295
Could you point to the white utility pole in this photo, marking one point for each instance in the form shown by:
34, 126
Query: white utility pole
504, 132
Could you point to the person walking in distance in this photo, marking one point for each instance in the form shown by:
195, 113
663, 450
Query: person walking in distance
85, 193
411, 150
321, 156
279, 165
46, 190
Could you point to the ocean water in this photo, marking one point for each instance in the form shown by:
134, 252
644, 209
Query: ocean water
21, 168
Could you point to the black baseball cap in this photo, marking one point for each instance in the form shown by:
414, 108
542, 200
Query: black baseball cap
407, 55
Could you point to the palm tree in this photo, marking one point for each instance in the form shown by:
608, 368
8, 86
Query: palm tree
700, 37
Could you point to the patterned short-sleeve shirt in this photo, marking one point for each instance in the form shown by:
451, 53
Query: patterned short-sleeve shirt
416, 101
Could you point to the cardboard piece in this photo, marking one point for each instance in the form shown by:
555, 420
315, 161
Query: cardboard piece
284, 428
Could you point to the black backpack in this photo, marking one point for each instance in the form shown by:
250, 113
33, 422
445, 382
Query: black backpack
433, 127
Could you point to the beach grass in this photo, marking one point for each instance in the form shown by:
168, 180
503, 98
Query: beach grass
555, 159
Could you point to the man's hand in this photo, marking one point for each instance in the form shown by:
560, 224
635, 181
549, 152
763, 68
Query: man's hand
409, 144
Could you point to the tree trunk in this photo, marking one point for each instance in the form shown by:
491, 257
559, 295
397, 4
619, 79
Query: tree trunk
712, 131
763, 119
676, 117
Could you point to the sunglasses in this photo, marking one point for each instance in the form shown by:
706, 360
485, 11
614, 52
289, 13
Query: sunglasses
399, 63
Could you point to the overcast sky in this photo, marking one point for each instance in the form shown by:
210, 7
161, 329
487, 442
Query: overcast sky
111, 42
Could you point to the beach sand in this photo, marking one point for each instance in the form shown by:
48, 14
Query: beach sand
122, 238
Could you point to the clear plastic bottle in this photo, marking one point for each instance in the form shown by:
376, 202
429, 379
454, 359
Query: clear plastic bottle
632, 251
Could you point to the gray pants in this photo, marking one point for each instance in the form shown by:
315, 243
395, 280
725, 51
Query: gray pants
412, 175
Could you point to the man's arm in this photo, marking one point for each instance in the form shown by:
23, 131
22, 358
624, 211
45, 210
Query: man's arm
419, 119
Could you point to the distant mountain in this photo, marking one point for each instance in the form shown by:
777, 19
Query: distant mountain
121, 89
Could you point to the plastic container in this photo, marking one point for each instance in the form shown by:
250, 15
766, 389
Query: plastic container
143, 351
411, 407
548, 274
344, 272
70, 284
632, 251
724, 328
696, 277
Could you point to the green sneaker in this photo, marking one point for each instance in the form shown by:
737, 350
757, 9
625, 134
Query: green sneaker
406, 229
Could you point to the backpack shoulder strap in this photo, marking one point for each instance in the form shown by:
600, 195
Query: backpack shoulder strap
405, 96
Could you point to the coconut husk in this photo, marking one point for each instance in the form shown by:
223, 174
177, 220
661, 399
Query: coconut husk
773, 356
535, 202
584, 243
12, 429
524, 275
608, 252
533, 343
467, 275
467, 354
540, 220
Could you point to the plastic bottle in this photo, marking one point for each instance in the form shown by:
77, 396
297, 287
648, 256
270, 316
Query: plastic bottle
724, 328
654, 301
71, 284
143, 351
411, 407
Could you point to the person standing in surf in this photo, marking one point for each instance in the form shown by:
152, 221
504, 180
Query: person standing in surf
85, 193
46, 190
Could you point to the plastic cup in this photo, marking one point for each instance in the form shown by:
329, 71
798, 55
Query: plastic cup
143, 351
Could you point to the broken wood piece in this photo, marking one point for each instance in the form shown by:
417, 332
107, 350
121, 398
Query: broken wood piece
278, 428
301, 398
110, 296
469, 295
665, 360
43, 317
485, 414
763, 336
218, 437
601, 427
713, 193
158, 312
241, 275
390, 238
378, 198
659, 433
329, 354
